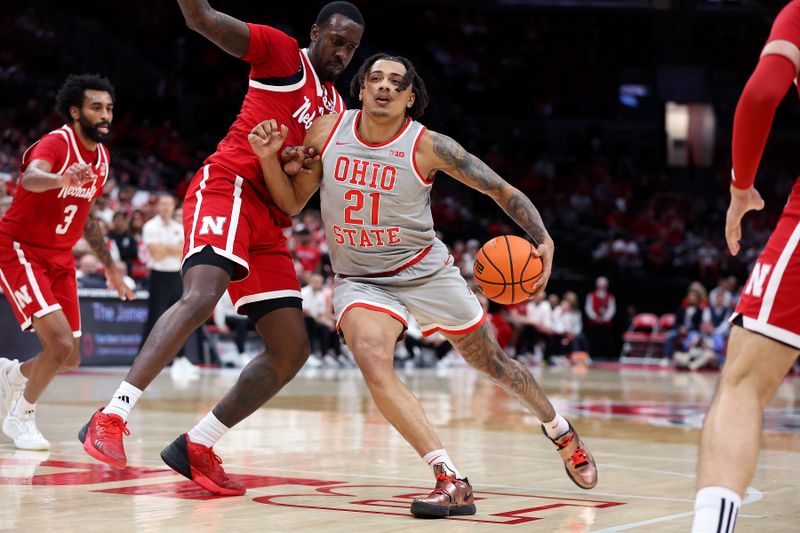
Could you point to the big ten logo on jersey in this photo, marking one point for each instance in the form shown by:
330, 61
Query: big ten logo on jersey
755, 285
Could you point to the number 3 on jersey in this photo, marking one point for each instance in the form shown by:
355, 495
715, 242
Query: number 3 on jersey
356, 199
69, 214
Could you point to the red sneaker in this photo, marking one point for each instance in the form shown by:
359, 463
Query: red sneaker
200, 464
102, 438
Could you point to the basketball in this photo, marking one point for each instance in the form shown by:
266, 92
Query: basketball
506, 269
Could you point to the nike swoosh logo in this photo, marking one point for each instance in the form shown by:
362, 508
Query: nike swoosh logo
340, 143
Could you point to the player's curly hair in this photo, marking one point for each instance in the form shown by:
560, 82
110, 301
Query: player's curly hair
339, 8
411, 77
71, 93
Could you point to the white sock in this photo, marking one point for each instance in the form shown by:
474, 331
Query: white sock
208, 431
440, 456
123, 401
556, 427
23, 407
715, 510
15, 375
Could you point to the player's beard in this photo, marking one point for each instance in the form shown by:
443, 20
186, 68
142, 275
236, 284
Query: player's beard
90, 130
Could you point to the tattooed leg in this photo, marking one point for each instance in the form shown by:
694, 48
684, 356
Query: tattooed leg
481, 350
284, 333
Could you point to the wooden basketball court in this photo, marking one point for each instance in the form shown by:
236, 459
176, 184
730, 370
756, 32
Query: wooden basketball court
320, 457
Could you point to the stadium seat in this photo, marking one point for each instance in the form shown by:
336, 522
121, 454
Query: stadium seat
636, 346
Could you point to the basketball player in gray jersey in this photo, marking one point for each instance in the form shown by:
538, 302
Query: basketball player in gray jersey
375, 175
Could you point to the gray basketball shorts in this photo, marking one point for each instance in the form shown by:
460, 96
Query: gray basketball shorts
440, 301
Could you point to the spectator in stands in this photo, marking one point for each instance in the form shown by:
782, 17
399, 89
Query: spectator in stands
535, 328
600, 308
231, 323
687, 319
125, 242
306, 251
569, 324
88, 274
163, 237
318, 311
122, 268
102, 211
721, 289
717, 314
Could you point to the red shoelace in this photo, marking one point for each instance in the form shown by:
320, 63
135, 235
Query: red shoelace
112, 427
211, 459
579, 457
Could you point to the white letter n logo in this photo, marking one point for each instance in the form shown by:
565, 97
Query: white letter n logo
212, 224
22, 296
755, 285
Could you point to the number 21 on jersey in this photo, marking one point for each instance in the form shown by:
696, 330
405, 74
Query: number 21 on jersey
357, 201
69, 214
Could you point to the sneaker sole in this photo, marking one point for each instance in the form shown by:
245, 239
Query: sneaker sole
42, 448
427, 510
97, 454
178, 462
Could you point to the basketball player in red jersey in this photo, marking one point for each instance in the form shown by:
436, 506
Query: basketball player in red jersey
375, 176
62, 174
765, 339
234, 238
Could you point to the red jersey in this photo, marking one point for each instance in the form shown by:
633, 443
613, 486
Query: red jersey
284, 87
55, 218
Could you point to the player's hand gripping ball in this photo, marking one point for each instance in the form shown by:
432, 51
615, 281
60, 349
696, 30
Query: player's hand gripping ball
507, 269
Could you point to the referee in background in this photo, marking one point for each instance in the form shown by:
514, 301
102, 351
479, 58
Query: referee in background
163, 237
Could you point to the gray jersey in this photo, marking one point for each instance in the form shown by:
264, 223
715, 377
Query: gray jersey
375, 204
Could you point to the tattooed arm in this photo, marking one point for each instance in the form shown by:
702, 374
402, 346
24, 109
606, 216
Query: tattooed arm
94, 236
230, 34
440, 152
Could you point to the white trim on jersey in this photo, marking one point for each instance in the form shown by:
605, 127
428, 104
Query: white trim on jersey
47, 310
283, 88
107, 161
262, 296
199, 196
237, 206
64, 136
31, 278
77, 334
10, 292
777, 274
768, 330
73, 141
309, 66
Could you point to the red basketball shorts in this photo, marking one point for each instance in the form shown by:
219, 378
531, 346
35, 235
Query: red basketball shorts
224, 211
38, 281
770, 302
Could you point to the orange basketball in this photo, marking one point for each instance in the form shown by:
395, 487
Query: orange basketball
506, 269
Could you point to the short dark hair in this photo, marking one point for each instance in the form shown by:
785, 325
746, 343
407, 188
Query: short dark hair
339, 8
72, 92
411, 78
